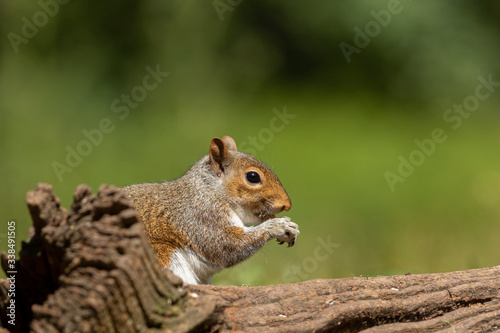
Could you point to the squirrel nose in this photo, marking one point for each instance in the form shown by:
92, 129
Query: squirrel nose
287, 205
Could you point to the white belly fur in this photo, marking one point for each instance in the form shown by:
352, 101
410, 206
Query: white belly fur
191, 267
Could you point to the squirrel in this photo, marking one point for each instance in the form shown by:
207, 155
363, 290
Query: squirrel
221, 212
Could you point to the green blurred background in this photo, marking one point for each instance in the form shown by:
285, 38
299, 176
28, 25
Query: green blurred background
230, 64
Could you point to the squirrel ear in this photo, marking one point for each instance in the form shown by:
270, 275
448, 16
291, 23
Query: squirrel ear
219, 155
230, 144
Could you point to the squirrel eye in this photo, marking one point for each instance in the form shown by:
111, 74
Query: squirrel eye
253, 177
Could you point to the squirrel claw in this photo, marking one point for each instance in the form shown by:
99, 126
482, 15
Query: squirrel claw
290, 244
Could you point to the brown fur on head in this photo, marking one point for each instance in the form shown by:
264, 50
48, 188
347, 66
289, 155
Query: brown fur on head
254, 188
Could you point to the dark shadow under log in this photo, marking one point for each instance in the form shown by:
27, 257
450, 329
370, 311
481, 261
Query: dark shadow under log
92, 270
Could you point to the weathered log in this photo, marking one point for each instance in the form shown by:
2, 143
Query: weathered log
92, 270
467, 300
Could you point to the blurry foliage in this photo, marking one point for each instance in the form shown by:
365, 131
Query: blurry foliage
353, 119
425, 51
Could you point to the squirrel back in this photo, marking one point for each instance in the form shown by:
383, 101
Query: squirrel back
200, 223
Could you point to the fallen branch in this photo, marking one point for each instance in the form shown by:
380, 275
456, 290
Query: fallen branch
466, 300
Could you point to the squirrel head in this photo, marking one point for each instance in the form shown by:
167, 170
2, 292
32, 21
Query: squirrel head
254, 189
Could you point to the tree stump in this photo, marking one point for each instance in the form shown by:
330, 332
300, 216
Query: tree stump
92, 270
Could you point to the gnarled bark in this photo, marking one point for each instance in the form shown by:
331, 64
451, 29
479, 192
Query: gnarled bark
467, 300
92, 270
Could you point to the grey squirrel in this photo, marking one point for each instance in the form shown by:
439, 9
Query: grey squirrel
218, 214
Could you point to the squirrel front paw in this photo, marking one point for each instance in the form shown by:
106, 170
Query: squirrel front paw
283, 229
